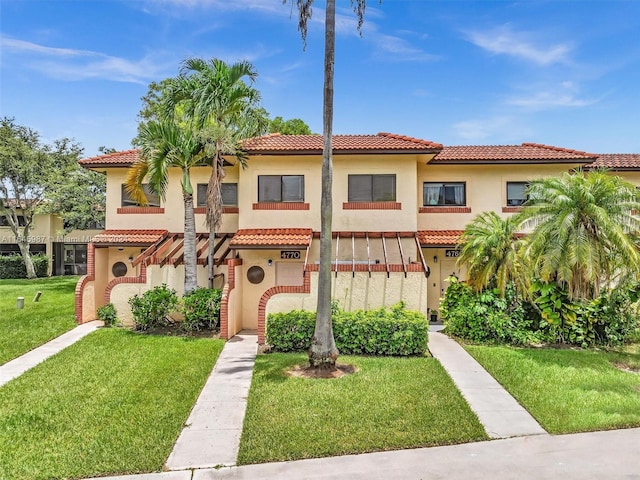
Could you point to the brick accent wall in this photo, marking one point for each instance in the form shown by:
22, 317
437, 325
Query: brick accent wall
304, 288
281, 206
139, 210
89, 277
372, 206
445, 209
202, 210
511, 209
224, 300
142, 278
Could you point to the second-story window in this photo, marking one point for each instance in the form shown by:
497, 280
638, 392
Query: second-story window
229, 192
372, 188
516, 193
153, 200
450, 193
5, 223
280, 188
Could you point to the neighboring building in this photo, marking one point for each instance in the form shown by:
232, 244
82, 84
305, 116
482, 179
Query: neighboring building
67, 252
399, 207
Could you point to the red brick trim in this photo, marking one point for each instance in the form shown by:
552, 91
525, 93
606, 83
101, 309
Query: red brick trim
224, 300
374, 267
281, 206
138, 210
372, 206
445, 209
201, 210
82, 282
142, 278
511, 209
304, 288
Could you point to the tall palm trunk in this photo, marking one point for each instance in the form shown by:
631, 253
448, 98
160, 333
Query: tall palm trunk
190, 259
214, 210
323, 352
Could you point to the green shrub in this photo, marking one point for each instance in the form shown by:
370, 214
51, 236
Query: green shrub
12, 266
486, 316
394, 331
107, 313
153, 307
201, 309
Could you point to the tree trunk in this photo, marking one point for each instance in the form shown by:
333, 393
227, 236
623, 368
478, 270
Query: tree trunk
23, 245
190, 259
323, 352
214, 212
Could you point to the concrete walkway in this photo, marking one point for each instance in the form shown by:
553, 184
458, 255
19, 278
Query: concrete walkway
500, 414
211, 436
18, 366
614, 455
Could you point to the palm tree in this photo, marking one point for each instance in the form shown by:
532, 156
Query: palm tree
491, 250
166, 144
213, 95
323, 352
582, 225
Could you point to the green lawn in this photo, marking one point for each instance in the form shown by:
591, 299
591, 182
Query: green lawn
390, 403
113, 403
37, 323
568, 390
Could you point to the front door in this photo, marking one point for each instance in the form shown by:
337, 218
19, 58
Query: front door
448, 268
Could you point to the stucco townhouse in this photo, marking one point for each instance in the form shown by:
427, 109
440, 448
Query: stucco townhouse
399, 207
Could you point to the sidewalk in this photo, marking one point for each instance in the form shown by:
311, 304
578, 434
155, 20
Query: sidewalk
18, 366
211, 436
614, 455
500, 414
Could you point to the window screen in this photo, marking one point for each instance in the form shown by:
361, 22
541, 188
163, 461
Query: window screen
229, 193
153, 200
281, 188
516, 193
372, 188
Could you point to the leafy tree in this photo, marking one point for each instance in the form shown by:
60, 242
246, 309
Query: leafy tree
221, 103
164, 145
581, 230
323, 352
31, 177
295, 126
491, 250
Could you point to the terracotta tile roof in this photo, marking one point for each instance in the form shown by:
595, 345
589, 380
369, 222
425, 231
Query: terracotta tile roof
439, 237
382, 142
272, 237
525, 153
617, 161
128, 237
117, 159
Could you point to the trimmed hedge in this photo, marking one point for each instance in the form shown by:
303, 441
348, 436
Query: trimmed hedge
393, 331
12, 266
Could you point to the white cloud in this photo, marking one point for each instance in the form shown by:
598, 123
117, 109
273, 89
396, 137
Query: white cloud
504, 40
564, 95
73, 64
481, 130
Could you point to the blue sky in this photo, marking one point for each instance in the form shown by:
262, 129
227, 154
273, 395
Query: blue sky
565, 73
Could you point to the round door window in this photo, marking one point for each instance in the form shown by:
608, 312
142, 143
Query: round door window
255, 274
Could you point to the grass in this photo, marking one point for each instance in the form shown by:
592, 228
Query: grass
39, 322
390, 403
568, 390
113, 403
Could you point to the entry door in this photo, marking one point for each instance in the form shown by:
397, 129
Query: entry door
448, 268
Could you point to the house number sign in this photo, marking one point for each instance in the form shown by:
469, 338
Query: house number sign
452, 253
290, 254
